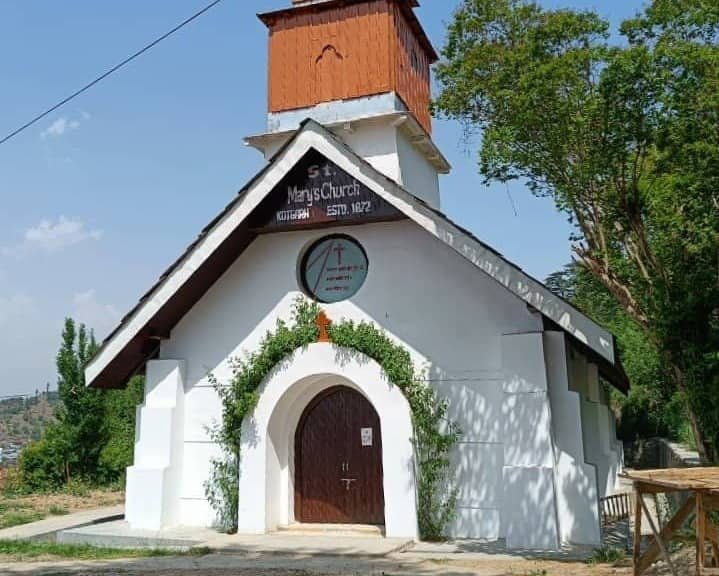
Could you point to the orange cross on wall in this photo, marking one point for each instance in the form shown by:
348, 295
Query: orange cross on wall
323, 323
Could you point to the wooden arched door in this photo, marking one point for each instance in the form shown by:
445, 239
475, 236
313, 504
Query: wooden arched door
338, 461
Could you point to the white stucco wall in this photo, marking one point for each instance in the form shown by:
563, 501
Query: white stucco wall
575, 479
450, 317
537, 439
528, 472
417, 175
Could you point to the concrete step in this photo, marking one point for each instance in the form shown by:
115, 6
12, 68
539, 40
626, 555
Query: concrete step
118, 534
316, 544
353, 530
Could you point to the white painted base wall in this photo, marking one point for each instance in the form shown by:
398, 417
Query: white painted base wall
154, 481
538, 440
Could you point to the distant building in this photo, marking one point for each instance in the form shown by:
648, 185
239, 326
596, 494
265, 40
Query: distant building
9, 454
347, 211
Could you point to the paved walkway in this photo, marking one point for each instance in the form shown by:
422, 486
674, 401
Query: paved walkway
280, 554
45, 529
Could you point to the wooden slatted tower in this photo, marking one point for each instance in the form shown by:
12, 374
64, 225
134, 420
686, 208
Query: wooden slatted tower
335, 50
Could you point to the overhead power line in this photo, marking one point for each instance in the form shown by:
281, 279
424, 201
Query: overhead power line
110, 71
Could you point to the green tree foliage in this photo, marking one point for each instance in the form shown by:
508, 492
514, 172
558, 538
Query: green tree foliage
624, 139
120, 409
81, 415
93, 435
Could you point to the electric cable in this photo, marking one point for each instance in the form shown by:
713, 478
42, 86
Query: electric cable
110, 71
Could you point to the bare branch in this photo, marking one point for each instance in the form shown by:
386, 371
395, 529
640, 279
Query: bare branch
616, 287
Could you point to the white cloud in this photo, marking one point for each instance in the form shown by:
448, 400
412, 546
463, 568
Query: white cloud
53, 236
57, 235
60, 126
101, 318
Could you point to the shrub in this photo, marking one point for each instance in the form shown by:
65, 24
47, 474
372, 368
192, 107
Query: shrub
41, 466
606, 555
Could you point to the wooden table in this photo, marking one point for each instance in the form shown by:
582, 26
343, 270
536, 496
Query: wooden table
703, 486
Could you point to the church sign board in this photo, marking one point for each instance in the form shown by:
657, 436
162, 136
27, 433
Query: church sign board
316, 191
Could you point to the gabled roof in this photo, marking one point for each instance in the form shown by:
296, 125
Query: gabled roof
137, 338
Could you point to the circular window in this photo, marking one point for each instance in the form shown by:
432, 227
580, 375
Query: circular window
333, 268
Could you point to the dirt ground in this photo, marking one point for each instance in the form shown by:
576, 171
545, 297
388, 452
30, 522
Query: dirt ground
395, 566
683, 562
18, 509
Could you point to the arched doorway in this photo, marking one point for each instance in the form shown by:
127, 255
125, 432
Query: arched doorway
267, 474
338, 460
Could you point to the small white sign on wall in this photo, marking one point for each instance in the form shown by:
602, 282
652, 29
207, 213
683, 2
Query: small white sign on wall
366, 436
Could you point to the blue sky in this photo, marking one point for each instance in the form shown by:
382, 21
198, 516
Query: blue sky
102, 195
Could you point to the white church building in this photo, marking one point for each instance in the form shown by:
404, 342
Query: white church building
347, 212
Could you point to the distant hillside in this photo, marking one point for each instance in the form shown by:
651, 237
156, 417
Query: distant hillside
24, 419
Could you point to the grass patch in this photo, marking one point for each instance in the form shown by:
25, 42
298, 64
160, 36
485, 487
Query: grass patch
12, 506
606, 555
56, 510
25, 550
18, 517
17, 508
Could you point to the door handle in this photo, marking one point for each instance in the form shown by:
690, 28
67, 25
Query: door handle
348, 482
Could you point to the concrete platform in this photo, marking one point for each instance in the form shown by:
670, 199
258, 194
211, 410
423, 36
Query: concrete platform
118, 534
320, 544
48, 528
362, 542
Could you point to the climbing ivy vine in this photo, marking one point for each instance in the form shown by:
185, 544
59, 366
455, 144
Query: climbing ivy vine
434, 434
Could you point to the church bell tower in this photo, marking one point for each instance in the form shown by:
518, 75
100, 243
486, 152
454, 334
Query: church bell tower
362, 69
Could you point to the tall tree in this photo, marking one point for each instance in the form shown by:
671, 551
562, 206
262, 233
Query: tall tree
93, 437
82, 413
624, 138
